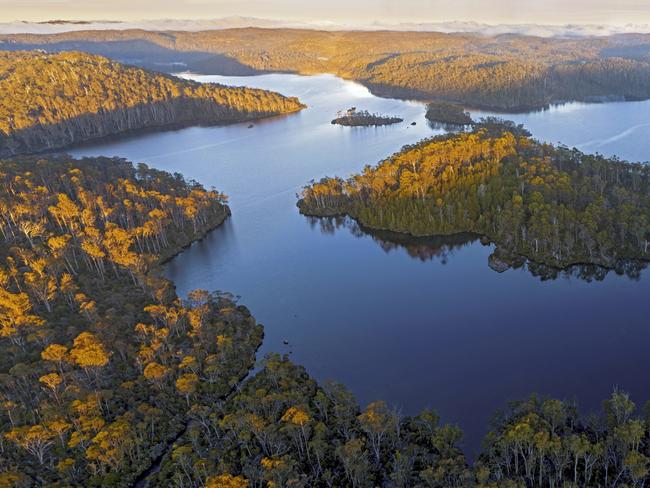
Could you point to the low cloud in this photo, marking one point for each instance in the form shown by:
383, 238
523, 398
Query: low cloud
577, 30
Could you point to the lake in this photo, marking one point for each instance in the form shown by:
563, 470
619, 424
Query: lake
418, 323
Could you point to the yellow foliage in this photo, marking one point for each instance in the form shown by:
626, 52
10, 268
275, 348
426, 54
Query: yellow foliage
226, 481
270, 463
89, 352
54, 352
296, 416
51, 381
155, 372
186, 384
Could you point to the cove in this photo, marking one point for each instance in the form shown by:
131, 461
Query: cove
421, 323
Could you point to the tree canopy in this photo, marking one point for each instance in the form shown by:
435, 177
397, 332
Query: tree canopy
60, 99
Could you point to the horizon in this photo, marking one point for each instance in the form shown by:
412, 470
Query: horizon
536, 29
338, 12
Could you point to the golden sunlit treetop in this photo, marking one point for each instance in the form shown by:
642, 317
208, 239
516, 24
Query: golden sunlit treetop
61, 99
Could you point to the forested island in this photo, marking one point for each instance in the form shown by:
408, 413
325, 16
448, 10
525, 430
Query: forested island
61, 99
447, 114
505, 72
552, 205
362, 118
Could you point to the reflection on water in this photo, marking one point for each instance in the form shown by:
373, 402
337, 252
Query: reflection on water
612, 129
447, 127
588, 272
442, 247
428, 248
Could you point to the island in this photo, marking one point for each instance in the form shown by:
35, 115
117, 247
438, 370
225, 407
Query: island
551, 205
448, 114
58, 100
362, 118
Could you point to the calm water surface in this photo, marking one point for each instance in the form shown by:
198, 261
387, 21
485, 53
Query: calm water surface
419, 324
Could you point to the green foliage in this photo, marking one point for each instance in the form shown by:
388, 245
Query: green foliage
362, 118
282, 429
545, 443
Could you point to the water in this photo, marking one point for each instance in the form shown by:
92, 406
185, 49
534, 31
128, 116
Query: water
613, 129
423, 325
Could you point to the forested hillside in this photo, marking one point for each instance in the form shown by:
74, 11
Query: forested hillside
50, 101
508, 72
552, 205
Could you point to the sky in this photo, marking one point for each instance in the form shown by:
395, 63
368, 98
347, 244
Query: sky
559, 12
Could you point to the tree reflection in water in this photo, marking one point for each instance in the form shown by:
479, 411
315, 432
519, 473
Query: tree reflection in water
441, 248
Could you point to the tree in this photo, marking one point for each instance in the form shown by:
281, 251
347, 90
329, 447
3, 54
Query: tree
378, 423
57, 354
226, 481
52, 381
35, 439
156, 373
353, 456
186, 385
16, 316
88, 352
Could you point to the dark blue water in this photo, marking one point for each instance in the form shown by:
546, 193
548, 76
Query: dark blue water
419, 324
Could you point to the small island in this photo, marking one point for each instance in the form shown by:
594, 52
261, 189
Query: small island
362, 118
447, 114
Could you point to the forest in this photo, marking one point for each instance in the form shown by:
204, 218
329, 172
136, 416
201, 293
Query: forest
507, 72
108, 378
552, 205
106, 374
62, 99
99, 359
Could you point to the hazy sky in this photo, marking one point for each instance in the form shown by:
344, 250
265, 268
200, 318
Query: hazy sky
340, 11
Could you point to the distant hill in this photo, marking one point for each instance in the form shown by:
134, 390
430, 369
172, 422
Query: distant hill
50, 101
505, 72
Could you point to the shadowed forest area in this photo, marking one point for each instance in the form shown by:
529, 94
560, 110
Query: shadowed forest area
506, 72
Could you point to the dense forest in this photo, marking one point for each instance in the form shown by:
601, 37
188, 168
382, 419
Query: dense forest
99, 359
107, 378
552, 205
507, 72
60, 99
283, 430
